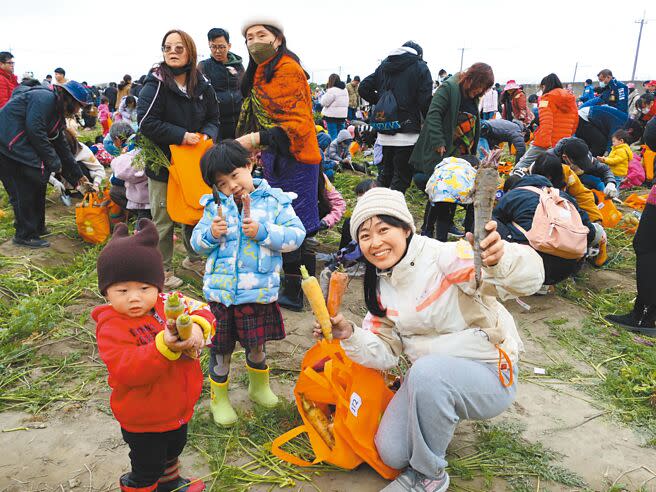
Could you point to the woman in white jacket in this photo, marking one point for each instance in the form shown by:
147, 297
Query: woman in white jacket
463, 344
335, 105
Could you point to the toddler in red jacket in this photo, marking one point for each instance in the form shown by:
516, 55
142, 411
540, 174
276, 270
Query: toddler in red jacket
156, 378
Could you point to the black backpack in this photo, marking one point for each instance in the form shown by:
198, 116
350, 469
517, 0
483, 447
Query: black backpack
384, 114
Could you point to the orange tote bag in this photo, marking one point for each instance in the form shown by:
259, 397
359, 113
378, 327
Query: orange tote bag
92, 218
359, 397
186, 184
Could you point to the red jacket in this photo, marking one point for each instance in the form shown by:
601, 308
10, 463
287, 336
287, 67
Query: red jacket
559, 117
8, 83
150, 393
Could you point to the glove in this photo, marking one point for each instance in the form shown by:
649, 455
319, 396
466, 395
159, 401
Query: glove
519, 171
611, 190
57, 185
323, 226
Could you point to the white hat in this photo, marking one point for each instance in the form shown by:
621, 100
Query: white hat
380, 201
261, 21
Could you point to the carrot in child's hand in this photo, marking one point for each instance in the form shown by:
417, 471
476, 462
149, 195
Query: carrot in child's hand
336, 291
319, 421
184, 324
312, 290
173, 308
246, 205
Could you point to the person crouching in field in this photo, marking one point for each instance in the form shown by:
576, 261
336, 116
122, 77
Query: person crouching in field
155, 378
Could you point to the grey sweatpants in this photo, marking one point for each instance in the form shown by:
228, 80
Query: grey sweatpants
436, 394
530, 156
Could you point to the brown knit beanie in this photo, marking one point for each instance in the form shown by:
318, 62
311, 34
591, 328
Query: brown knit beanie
133, 258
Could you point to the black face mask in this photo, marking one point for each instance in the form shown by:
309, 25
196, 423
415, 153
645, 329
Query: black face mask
180, 70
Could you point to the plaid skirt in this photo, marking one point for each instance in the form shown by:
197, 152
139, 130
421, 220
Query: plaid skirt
251, 324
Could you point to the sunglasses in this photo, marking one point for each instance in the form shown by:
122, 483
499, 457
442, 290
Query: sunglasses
178, 49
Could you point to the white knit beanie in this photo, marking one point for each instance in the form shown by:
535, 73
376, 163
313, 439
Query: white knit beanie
380, 201
261, 20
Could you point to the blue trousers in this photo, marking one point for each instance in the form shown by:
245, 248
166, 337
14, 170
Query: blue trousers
334, 128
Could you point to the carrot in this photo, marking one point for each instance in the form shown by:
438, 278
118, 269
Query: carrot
173, 307
312, 290
336, 291
184, 325
246, 205
319, 421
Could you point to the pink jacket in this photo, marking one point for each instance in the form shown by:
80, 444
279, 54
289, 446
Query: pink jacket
103, 112
136, 182
337, 204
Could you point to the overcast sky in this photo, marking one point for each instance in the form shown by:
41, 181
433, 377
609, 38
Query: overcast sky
100, 41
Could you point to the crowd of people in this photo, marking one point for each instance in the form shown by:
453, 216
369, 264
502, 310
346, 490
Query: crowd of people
276, 146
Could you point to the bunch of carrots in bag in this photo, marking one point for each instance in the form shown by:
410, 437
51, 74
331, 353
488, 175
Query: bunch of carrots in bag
323, 310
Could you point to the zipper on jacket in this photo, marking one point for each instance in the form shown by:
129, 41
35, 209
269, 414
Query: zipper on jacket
13, 140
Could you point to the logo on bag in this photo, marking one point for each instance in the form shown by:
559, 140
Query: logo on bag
356, 403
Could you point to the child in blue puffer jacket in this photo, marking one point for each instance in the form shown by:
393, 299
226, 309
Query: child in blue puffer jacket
245, 228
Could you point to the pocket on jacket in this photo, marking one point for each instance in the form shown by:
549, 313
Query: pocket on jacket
265, 260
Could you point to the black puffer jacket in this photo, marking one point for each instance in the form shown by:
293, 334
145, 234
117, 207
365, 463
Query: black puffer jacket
225, 78
498, 130
31, 132
166, 113
410, 80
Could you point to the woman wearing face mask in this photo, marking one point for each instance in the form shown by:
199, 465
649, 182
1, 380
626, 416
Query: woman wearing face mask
452, 129
645, 107
175, 104
423, 302
277, 115
559, 117
32, 146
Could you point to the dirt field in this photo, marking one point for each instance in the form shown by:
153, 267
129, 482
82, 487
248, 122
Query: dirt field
73, 442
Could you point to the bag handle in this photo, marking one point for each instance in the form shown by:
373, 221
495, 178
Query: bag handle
279, 441
336, 387
316, 378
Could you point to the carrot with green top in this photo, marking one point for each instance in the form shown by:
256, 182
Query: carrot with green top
184, 325
336, 290
312, 291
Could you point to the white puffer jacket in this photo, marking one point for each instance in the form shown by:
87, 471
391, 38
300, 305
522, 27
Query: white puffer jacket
433, 306
335, 103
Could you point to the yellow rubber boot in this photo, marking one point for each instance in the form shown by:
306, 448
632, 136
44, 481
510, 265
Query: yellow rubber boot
258, 387
222, 410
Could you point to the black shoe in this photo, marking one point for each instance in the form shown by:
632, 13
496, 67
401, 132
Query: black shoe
454, 231
641, 320
31, 243
291, 296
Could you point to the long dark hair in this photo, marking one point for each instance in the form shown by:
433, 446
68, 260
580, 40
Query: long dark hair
551, 82
371, 272
192, 75
65, 104
270, 69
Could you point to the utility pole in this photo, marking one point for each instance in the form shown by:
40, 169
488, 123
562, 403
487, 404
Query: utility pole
462, 56
576, 67
642, 22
